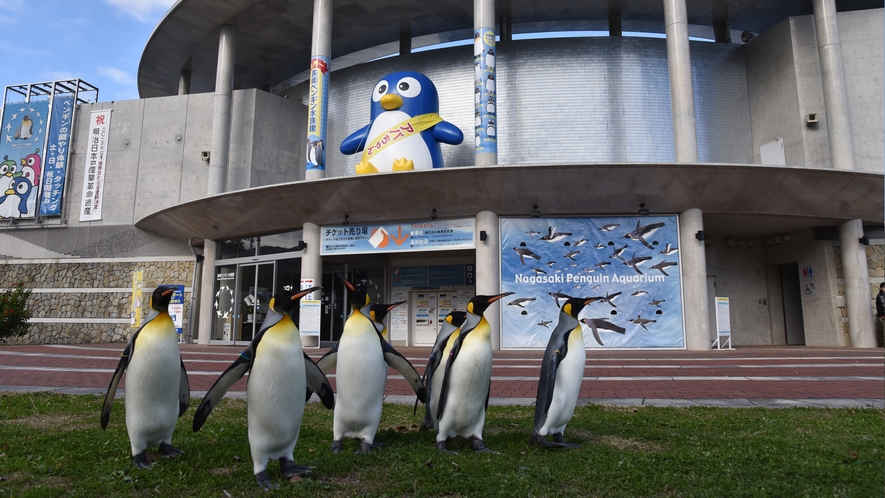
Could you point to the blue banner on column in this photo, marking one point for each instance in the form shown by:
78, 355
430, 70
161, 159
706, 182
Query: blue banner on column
56, 156
317, 111
485, 114
21, 158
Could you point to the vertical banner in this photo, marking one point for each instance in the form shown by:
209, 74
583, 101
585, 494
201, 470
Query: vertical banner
21, 158
96, 162
627, 267
135, 303
310, 316
176, 309
485, 115
56, 157
317, 110
723, 324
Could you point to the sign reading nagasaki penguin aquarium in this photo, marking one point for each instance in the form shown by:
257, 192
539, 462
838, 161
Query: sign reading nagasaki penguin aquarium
627, 266
407, 236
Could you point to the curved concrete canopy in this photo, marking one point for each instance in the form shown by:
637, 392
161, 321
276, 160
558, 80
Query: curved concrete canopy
738, 200
274, 36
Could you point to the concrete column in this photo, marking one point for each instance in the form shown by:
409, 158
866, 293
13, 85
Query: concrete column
224, 89
856, 275
488, 269
485, 83
184, 82
829, 48
685, 139
207, 293
320, 66
694, 281
722, 31
311, 262
614, 25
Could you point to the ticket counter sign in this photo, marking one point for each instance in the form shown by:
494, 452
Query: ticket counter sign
416, 236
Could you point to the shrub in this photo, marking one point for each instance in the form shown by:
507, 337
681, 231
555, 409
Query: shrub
14, 314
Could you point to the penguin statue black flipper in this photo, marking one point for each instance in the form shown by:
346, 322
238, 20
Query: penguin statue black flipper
115, 380
452, 323
399, 362
318, 383
184, 391
228, 378
547, 381
329, 360
453, 354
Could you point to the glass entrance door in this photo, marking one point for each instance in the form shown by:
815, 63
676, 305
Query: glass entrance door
254, 291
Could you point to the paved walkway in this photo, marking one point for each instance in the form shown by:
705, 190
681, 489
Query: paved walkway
743, 377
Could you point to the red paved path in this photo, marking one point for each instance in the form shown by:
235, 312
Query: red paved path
759, 373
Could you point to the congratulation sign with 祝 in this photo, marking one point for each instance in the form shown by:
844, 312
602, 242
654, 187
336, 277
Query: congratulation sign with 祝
408, 236
626, 266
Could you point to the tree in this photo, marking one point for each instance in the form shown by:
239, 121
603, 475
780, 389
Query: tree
14, 314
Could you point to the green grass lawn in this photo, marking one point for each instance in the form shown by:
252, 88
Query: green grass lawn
52, 445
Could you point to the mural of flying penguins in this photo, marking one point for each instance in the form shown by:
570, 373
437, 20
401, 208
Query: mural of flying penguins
361, 360
279, 374
562, 371
157, 389
464, 394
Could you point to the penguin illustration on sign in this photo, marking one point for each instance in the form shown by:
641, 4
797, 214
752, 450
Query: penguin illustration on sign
361, 360
280, 373
490, 83
316, 153
157, 389
406, 128
490, 106
25, 130
464, 393
562, 371
14, 201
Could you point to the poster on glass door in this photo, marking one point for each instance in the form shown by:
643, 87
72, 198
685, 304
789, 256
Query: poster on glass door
628, 267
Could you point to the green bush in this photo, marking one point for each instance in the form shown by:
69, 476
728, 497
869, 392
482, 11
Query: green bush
14, 314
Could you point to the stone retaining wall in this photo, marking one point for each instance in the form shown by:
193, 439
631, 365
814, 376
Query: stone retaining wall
67, 294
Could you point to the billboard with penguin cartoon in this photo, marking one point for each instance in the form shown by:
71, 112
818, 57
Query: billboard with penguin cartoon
23, 138
627, 266
405, 129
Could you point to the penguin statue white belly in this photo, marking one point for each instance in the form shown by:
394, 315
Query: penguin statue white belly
280, 374
157, 389
562, 371
413, 148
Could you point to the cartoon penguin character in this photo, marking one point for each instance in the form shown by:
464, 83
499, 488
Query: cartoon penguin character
464, 393
562, 371
477, 119
361, 361
406, 129
25, 129
8, 167
14, 202
490, 83
490, 106
490, 129
476, 96
31, 166
477, 45
477, 72
279, 375
448, 332
157, 390
490, 58
316, 153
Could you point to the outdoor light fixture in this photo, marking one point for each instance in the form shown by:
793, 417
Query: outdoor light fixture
642, 210
865, 240
433, 215
699, 235
535, 212
346, 221
301, 245
483, 236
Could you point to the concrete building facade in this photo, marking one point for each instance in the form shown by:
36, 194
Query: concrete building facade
744, 143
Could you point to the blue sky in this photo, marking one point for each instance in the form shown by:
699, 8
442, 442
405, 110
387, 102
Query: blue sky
99, 41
